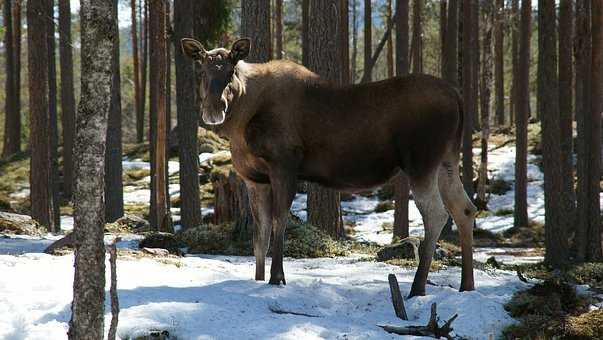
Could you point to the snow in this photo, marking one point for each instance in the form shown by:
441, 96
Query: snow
214, 297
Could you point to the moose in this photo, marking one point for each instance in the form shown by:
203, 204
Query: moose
286, 124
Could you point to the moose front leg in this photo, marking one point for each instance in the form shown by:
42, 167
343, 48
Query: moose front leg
260, 199
283, 191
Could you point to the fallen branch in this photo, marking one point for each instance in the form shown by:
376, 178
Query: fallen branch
276, 308
431, 329
113, 289
397, 299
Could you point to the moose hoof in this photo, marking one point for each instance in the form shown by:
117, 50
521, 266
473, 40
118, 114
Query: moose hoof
277, 279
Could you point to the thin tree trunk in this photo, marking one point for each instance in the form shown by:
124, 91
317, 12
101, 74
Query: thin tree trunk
416, 46
499, 70
67, 95
41, 197
17, 75
12, 123
87, 319
326, 38
451, 43
304, 32
368, 38
443, 25
567, 194
157, 75
114, 193
521, 121
475, 62
353, 70
278, 29
144, 37
52, 104
136, 65
468, 102
486, 85
390, 41
515, 60
188, 119
400, 182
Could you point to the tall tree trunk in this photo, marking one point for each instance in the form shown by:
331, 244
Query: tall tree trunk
17, 25
468, 103
136, 65
514, 60
594, 122
539, 72
353, 69
114, 193
368, 36
521, 119
416, 47
278, 28
390, 41
42, 200
567, 195
475, 62
12, 123
304, 32
188, 119
326, 39
450, 49
486, 85
499, 70
157, 75
144, 37
555, 235
52, 104
400, 182
67, 95
87, 319
443, 25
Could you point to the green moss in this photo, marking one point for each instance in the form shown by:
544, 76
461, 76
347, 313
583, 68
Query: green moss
529, 236
503, 212
499, 187
305, 240
384, 206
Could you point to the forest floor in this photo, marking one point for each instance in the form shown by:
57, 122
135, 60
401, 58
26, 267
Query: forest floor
213, 296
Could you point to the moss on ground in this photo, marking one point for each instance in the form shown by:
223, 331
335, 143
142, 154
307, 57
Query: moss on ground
384, 206
531, 235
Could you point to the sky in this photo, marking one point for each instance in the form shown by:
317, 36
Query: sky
123, 12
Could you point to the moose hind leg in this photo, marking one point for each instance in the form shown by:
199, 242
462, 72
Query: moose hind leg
463, 212
431, 207
260, 199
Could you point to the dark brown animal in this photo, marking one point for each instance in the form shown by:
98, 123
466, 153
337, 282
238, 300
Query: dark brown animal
285, 124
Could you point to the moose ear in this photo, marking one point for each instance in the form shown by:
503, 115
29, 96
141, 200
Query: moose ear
193, 49
240, 49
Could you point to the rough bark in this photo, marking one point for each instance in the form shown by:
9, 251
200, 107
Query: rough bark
114, 193
158, 104
521, 122
514, 60
87, 319
390, 41
53, 115
567, 194
41, 197
12, 123
443, 25
485, 90
451, 43
324, 45
144, 41
499, 68
136, 70
353, 68
67, 95
231, 204
368, 37
416, 45
304, 31
113, 291
278, 29
188, 119
400, 182
17, 27
475, 62
468, 107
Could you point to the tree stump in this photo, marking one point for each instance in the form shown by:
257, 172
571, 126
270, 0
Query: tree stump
231, 203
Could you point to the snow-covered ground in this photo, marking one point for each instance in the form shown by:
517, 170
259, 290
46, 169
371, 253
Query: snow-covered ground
214, 297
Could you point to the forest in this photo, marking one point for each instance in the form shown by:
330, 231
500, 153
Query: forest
314, 169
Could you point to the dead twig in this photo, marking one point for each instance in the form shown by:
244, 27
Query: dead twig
276, 308
431, 329
113, 289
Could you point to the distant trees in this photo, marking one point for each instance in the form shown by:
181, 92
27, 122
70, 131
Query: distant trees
368, 37
416, 45
522, 115
485, 91
12, 126
468, 100
138, 98
67, 95
499, 71
97, 22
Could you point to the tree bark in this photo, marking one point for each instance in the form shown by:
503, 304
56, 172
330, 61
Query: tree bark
515, 60
567, 194
326, 40
114, 193
468, 87
521, 121
17, 49
157, 75
390, 41
368, 37
67, 95
486, 85
144, 37
188, 119
416, 46
443, 25
353, 69
499, 68
12, 123
304, 32
278, 29
42, 200
87, 319
451, 44
52, 103
136, 70
400, 182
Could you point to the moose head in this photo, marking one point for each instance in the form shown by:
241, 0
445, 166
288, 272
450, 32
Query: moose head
216, 77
